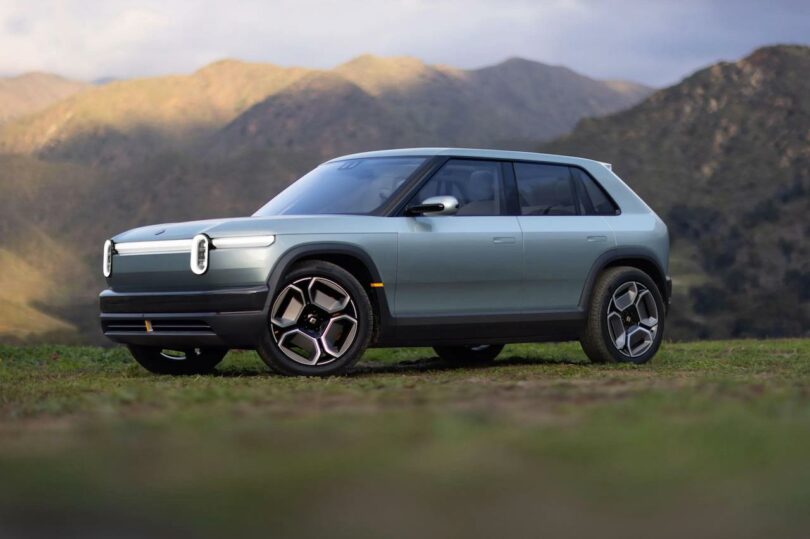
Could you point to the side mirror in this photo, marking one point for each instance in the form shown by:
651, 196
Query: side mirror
434, 206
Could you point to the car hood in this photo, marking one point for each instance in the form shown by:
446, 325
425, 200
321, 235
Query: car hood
252, 226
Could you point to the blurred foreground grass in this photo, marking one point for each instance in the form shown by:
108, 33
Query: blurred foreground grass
710, 439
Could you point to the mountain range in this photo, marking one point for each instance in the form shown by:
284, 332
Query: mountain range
234, 106
224, 139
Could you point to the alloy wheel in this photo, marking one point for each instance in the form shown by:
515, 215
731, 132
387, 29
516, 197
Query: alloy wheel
313, 321
632, 319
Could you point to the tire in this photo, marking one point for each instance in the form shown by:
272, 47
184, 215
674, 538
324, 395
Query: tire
180, 362
469, 355
625, 301
320, 322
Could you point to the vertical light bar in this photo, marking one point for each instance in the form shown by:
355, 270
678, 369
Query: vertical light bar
106, 266
199, 254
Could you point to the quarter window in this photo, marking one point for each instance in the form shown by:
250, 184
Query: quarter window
476, 184
593, 199
545, 189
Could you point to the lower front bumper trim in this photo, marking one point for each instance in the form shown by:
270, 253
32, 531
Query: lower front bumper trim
232, 330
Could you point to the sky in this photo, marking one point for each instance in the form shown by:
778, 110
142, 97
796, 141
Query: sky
656, 42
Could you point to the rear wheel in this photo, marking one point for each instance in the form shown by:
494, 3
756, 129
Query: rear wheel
177, 362
472, 354
320, 321
625, 318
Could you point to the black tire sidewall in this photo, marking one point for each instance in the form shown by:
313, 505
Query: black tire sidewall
279, 362
464, 354
151, 359
617, 280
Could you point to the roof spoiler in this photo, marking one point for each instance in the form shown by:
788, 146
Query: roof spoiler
607, 165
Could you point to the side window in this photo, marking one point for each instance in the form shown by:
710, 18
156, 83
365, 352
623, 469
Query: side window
476, 184
545, 189
593, 199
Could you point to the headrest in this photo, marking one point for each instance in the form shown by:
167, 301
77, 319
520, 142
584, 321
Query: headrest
480, 186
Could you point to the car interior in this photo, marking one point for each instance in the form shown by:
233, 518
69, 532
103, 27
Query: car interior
545, 190
476, 185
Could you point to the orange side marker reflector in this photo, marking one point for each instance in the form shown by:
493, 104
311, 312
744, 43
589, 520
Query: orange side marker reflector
148, 326
376, 285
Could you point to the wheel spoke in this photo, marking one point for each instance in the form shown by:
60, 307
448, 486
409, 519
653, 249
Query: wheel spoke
339, 335
639, 341
300, 347
625, 296
647, 311
288, 307
327, 295
616, 328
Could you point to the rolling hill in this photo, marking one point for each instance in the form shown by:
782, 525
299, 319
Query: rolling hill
124, 122
32, 92
724, 158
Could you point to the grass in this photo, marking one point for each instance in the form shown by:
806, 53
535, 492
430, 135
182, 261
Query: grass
710, 439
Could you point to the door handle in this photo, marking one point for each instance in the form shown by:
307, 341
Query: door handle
503, 239
597, 238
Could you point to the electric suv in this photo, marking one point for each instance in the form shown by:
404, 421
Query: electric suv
462, 250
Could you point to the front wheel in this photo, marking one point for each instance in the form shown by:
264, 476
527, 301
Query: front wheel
177, 362
320, 321
472, 354
625, 318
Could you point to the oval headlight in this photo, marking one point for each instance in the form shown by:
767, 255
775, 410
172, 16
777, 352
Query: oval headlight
106, 266
199, 254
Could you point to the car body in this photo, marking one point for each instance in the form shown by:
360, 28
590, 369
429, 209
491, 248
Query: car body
452, 247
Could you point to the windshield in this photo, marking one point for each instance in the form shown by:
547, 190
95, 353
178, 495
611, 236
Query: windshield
352, 186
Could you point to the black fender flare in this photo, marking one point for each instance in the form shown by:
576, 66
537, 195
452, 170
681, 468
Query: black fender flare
313, 249
628, 253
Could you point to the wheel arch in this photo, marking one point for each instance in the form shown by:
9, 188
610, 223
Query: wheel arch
636, 257
351, 258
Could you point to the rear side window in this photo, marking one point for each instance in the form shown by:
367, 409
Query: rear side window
545, 189
593, 199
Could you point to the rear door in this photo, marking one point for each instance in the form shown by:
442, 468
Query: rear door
563, 233
464, 264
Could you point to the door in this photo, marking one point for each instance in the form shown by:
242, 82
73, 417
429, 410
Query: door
563, 233
469, 263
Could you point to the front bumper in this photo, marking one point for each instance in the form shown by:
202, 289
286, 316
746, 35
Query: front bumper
232, 318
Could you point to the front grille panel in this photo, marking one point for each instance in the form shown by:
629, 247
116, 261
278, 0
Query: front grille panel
167, 325
180, 325
137, 326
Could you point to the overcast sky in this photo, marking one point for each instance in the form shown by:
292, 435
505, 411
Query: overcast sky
654, 41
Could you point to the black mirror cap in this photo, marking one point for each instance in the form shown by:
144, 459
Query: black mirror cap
421, 209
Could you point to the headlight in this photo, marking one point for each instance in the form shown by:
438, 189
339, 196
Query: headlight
243, 242
199, 254
106, 266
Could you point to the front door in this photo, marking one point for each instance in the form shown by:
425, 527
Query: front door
465, 264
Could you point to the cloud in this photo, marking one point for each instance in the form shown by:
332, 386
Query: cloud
653, 42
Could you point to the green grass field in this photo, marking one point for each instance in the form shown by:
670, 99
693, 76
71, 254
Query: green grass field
710, 439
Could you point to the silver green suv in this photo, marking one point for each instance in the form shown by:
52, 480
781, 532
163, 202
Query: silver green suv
462, 250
